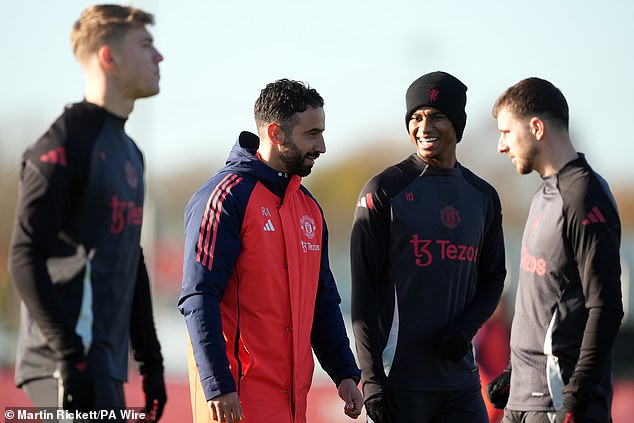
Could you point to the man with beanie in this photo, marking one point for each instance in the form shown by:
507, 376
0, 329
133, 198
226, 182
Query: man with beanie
568, 308
427, 254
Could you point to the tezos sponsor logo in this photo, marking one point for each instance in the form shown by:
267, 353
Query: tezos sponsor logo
532, 264
124, 213
426, 250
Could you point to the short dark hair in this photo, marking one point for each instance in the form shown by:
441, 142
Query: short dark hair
535, 97
280, 100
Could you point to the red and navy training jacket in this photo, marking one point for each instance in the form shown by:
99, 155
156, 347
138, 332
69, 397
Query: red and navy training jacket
258, 291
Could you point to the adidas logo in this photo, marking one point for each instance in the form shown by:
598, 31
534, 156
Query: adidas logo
366, 201
268, 226
55, 156
594, 216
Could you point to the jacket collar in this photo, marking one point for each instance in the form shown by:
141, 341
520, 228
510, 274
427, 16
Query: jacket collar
244, 158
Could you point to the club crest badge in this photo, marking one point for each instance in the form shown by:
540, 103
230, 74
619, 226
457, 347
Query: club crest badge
307, 225
450, 217
131, 175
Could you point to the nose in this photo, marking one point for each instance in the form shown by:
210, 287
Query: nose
425, 124
321, 145
502, 147
158, 57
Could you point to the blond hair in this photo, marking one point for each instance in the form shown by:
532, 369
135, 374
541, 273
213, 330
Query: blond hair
105, 24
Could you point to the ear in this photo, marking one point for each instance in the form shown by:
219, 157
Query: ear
537, 128
275, 133
105, 57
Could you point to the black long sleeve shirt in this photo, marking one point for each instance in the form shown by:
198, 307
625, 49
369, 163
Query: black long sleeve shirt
427, 255
568, 308
75, 254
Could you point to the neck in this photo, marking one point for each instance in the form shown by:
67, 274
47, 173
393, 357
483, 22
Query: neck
100, 92
445, 163
267, 155
557, 153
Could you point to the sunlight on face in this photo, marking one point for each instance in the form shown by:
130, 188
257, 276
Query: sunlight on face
517, 141
434, 136
302, 147
137, 64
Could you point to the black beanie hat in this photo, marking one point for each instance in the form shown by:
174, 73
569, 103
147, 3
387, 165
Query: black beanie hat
440, 91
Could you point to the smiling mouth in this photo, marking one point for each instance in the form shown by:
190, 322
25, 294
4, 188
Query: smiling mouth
311, 159
427, 140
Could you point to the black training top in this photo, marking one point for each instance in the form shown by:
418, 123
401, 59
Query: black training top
568, 307
427, 255
75, 252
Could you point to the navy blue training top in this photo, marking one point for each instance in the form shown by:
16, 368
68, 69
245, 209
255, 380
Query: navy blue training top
75, 254
427, 255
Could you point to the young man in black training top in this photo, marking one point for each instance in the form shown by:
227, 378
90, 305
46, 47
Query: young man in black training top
76, 258
568, 307
427, 255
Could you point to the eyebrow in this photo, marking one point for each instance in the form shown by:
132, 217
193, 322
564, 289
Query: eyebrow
428, 113
316, 129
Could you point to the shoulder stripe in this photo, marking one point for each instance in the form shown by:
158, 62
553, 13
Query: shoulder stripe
211, 219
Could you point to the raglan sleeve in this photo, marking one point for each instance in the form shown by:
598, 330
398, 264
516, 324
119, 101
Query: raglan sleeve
51, 178
596, 249
369, 242
329, 339
491, 274
213, 220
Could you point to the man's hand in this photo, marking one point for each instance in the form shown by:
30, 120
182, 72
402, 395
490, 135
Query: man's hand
350, 394
568, 415
573, 410
499, 388
226, 408
384, 407
564, 416
155, 396
78, 385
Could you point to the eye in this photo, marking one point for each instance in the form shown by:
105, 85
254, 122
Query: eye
147, 42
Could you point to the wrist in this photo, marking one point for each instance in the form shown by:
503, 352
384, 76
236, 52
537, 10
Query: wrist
354, 379
151, 368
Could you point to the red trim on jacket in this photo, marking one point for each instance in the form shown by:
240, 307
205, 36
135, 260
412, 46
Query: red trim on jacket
212, 219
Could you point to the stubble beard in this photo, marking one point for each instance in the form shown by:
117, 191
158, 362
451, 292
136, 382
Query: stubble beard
527, 165
293, 159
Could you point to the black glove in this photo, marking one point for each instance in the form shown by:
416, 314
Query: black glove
155, 396
572, 411
383, 408
78, 385
499, 388
452, 345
